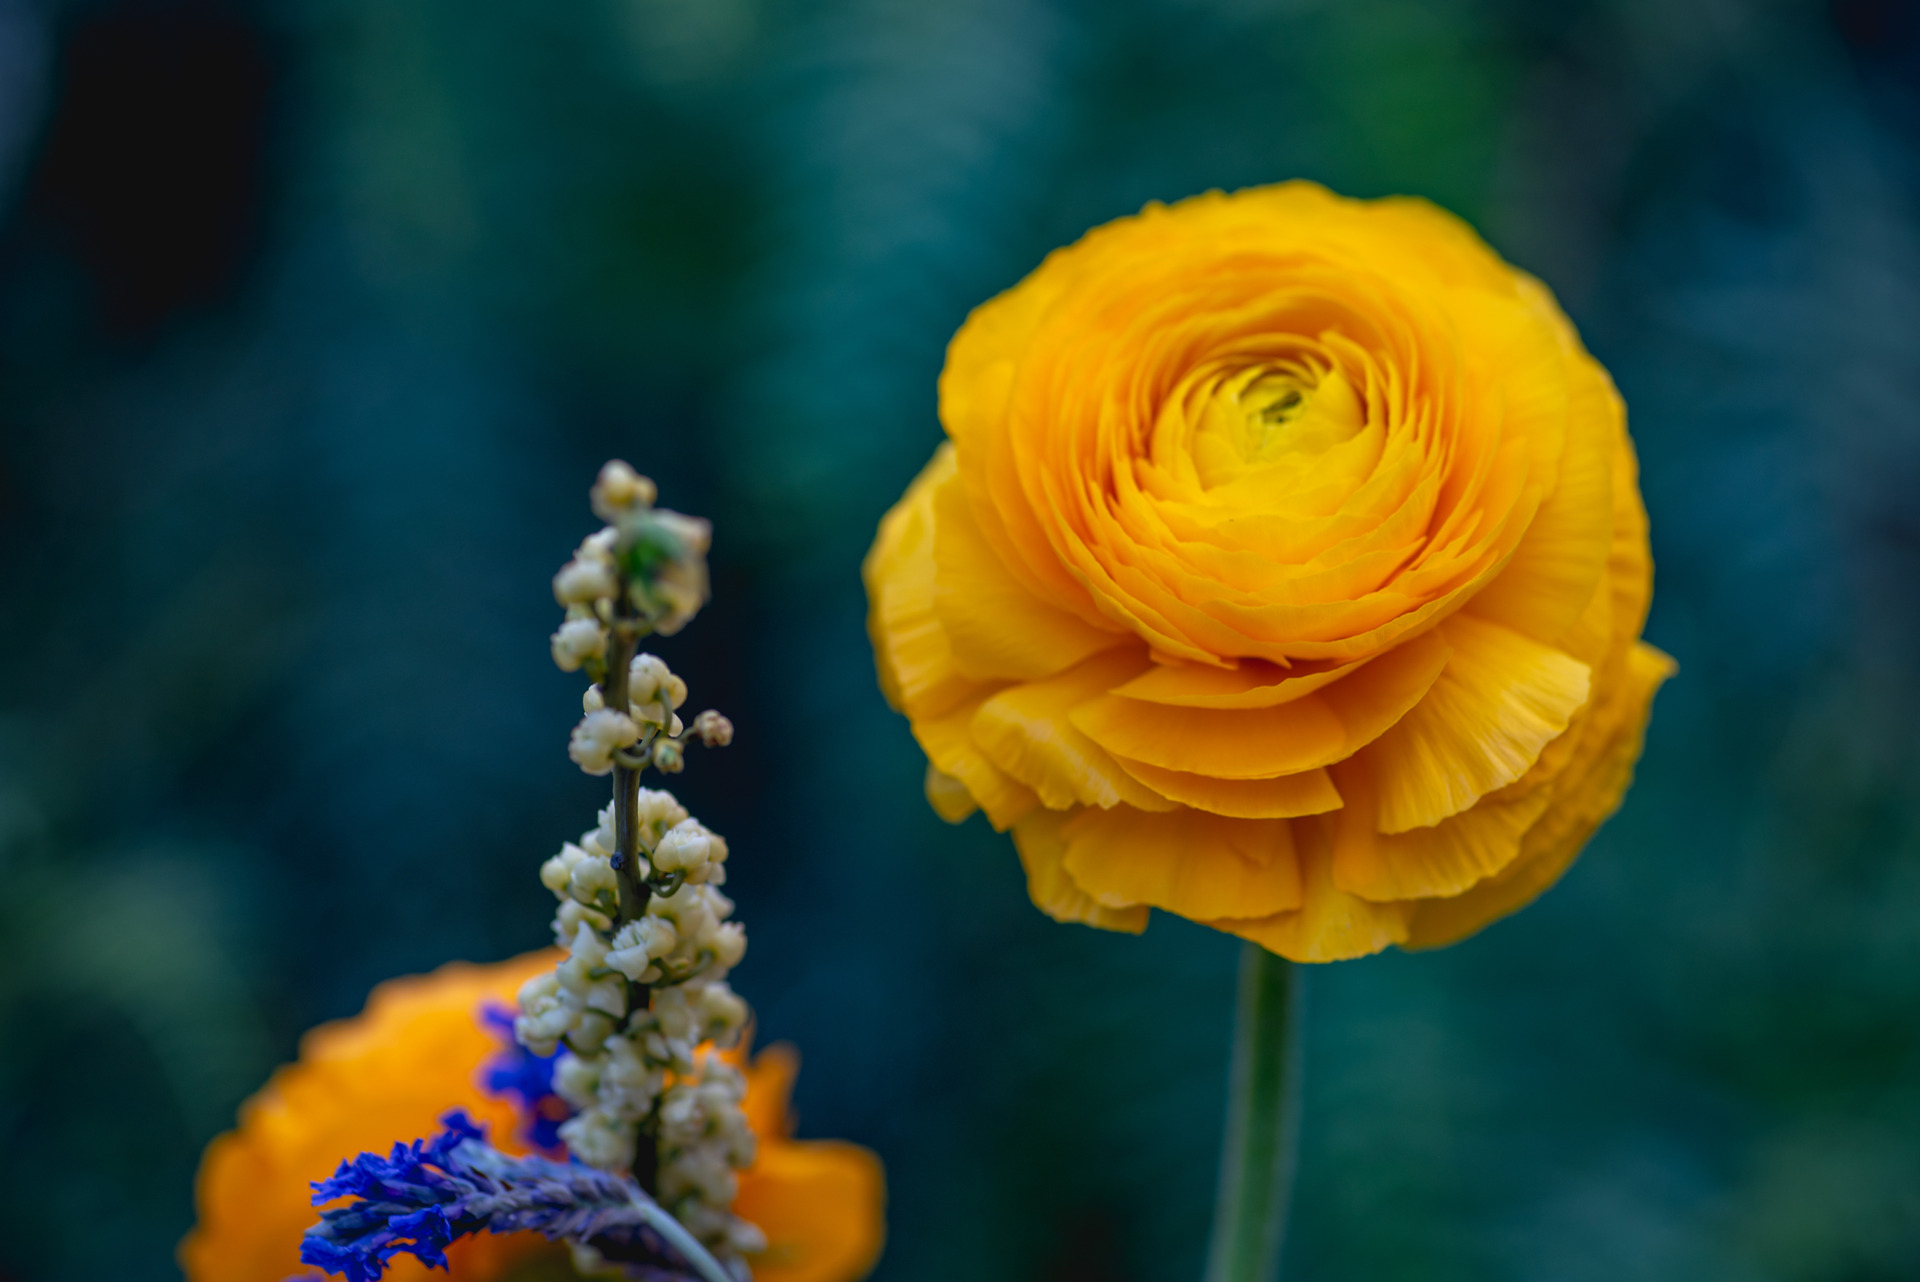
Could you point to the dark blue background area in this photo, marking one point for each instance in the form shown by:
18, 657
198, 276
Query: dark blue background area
317, 317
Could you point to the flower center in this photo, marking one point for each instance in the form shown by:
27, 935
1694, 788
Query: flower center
1278, 418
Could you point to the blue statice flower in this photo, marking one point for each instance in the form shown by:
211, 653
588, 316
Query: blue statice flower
426, 1195
519, 1073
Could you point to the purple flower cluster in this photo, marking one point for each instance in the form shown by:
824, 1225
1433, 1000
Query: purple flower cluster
429, 1194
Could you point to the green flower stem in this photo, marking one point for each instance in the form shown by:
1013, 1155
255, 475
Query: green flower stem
635, 894
1261, 1148
656, 1217
623, 641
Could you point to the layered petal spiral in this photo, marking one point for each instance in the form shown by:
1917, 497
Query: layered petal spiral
1284, 568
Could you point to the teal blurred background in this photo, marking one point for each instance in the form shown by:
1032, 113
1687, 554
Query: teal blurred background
317, 317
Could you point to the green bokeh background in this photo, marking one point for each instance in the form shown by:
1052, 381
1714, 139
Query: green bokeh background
316, 318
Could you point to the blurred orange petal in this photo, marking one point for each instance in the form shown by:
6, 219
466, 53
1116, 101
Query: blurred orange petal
360, 1085
822, 1205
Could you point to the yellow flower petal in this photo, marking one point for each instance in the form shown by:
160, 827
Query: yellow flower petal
1253, 684
1444, 859
948, 742
1630, 564
997, 629
1311, 792
1042, 853
1187, 862
910, 648
1502, 698
1315, 730
1591, 790
947, 795
1024, 730
1330, 924
1554, 572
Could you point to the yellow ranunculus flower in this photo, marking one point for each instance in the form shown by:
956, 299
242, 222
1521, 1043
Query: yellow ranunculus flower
418, 1050
1284, 569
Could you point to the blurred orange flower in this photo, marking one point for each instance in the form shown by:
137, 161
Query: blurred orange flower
418, 1050
1284, 569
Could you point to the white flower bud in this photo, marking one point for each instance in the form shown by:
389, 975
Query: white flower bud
597, 737
554, 872
538, 991
668, 757
744, 1237
647, 676
740, 1147
729, 943
686, 847
587, 948
701, 1171
655, 811
668, 556
678, 586
576, 977
600, 841
693, 910
703, 1221
653, 935
619, 490
544, 1017
671, 1010
719, 1074
533, 1036
590, 1029
576, 1080
599, 1140
609, 997
589, 876
639, 943
655, 692
571, 914
682, 1119
722, 1012
713, 730
582, 581
577, 641
628, 1084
